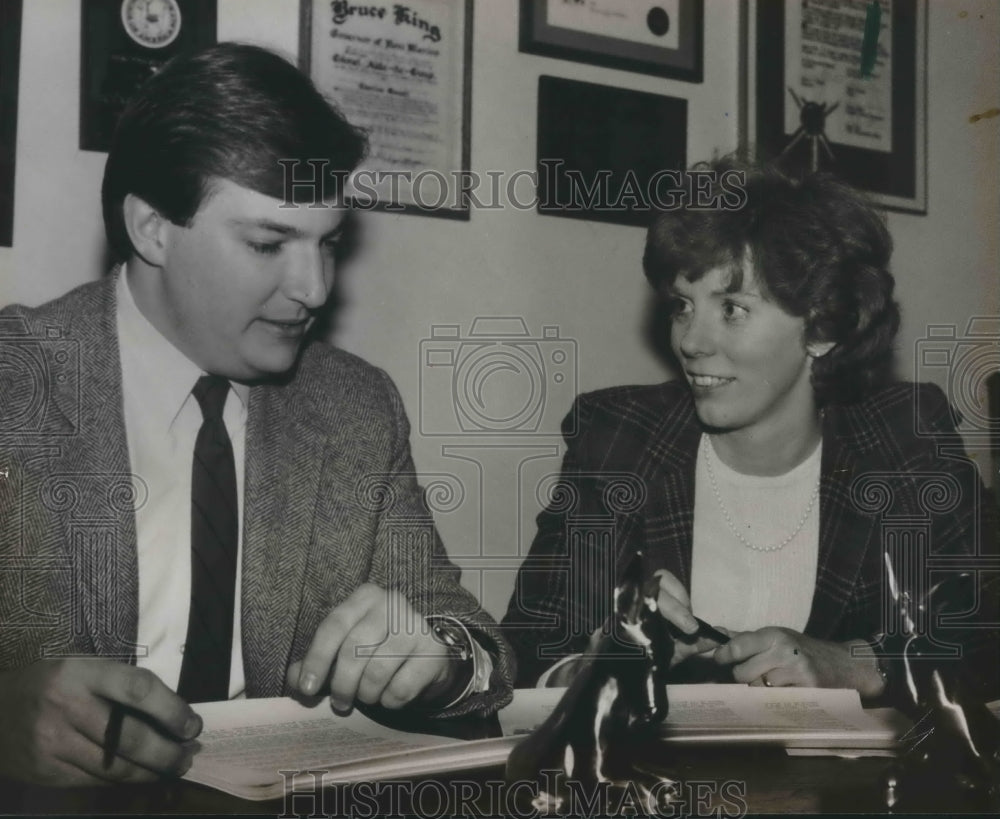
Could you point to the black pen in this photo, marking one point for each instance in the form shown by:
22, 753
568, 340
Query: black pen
113, 734
705, 630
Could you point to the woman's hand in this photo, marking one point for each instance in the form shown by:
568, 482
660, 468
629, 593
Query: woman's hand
775, 656
674, 605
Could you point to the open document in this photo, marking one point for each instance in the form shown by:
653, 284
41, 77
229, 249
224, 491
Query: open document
735, 714
791, 717
256, 749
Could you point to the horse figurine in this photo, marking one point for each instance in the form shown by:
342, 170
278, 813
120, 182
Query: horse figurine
952, 755
618, 694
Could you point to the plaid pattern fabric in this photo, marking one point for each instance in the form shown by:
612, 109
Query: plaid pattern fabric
332, 501
880, 481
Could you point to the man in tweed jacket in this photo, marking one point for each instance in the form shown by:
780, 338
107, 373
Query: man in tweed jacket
223, 275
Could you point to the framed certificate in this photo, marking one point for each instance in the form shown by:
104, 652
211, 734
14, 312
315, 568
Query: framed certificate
841, 87
10, 53
124, 42
662, 37
403, 74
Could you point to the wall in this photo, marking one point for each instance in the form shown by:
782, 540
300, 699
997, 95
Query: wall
947, 262
415, 272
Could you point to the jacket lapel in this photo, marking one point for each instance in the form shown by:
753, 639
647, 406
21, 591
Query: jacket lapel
667, 466
93, 467
844, 530
283, 466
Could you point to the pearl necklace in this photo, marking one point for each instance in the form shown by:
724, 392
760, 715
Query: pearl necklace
709, 452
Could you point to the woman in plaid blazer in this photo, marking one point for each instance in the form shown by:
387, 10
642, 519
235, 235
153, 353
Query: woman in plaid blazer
770, 486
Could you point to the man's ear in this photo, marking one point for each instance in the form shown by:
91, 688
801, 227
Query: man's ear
147, 228
818, 349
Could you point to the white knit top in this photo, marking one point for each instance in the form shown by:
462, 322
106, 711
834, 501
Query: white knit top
741, 588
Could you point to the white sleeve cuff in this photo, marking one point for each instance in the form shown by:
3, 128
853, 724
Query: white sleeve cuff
482, 662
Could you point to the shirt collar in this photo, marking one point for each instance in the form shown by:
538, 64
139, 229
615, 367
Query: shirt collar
153, 367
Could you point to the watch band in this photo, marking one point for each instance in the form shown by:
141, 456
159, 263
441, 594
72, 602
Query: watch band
453, 633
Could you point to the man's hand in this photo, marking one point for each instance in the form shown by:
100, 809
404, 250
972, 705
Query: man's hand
54, 713
374, 647
674, 605
779, 656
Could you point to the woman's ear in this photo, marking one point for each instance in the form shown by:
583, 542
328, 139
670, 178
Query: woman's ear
147, 228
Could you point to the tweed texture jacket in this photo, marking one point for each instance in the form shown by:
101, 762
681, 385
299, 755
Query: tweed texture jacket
893, 471
331, 501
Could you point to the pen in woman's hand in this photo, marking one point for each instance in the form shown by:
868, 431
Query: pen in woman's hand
113, 734
706, 630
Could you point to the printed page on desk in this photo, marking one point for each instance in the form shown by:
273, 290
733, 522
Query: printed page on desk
257, 748
707, 713
792, 717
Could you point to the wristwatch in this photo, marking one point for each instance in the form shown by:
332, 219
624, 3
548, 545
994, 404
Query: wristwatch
475, 662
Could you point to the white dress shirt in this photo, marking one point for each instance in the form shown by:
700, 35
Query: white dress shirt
162, 419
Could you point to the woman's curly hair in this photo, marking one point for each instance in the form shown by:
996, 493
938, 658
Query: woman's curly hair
818, 249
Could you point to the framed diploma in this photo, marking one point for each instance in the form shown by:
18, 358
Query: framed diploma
662, 37
10, 53
841, 86
403, 74
124, 42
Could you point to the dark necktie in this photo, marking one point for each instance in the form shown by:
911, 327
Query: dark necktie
208, 649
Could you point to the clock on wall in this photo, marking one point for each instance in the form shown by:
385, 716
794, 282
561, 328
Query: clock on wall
125, 42
151, 23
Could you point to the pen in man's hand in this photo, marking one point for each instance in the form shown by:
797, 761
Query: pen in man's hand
706, 630
113, 734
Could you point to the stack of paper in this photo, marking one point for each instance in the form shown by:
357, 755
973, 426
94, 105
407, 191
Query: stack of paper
740, 714
256, 749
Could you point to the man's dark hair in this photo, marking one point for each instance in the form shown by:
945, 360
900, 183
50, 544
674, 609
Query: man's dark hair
818, 249
231, 111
